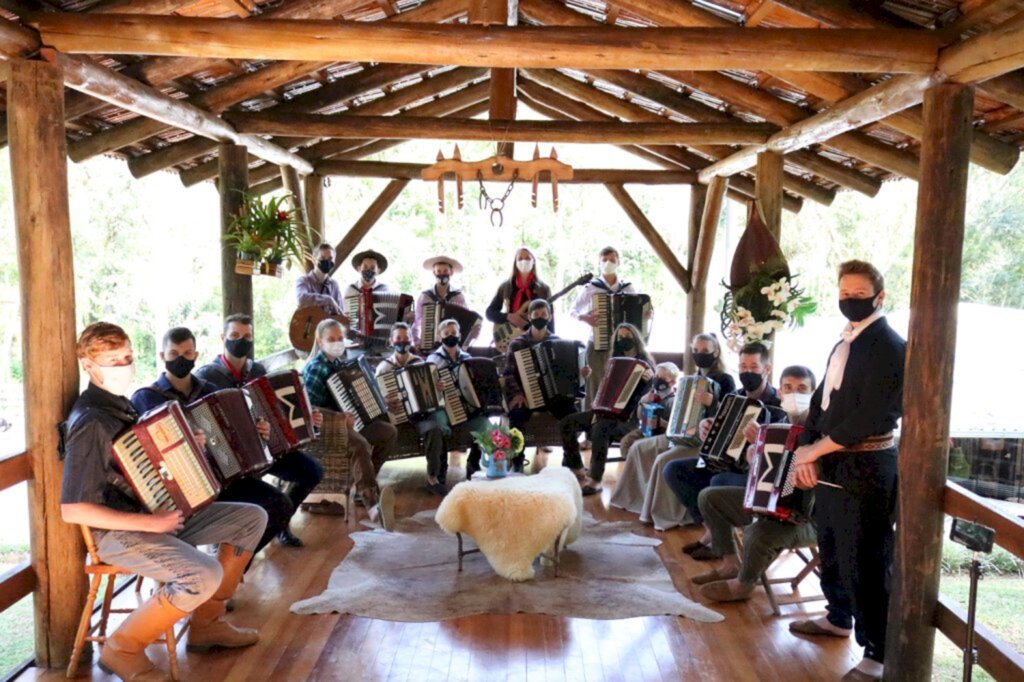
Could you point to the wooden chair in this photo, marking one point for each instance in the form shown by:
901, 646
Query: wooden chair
96, 570
331, 448
812, 563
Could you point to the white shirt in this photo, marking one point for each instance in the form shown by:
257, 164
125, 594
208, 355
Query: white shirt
585, 301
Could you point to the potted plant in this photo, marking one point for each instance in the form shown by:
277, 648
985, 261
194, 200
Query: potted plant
248, 250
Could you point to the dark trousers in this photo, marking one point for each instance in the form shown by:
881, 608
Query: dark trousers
303, 471
559, 407
432, 442
855, 539
603, 430
278, 506
686, 480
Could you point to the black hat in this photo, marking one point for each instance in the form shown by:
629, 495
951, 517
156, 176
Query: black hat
382, 262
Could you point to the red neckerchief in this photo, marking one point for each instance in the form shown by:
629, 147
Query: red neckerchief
236, 372
524, 291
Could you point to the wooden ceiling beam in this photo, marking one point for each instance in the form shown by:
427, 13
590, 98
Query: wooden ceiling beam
840, 13
580, 176
383, 127
986, 55
872, 51
138, 6
1008, 89
16, 41
503, 81
87, 76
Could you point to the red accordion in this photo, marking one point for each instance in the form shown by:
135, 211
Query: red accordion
281, 399
232, 440
771, 489
621, 387
164, 464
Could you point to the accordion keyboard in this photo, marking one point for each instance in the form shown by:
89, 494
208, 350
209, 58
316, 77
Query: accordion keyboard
144, 476
453, 404
602, 310
389, 383
529, 378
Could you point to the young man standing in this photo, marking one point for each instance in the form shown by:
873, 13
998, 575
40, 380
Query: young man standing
160, 545
849, 443
443, 267
316, 287
369, 264
233, 369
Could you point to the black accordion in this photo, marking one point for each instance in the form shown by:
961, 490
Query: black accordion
434, 313
480, 386
374, 313
725, 445
549, 369
355, 390
612, 310
621, 387
232, 440
281, 399
415, 387
164, 464
687, 411
771, 485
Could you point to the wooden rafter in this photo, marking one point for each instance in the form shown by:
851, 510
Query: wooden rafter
581, 176
649, 233
366, 221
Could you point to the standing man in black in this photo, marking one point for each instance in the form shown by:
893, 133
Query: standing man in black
849, 443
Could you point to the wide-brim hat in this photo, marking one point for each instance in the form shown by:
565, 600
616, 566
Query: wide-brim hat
431, 262
382, 262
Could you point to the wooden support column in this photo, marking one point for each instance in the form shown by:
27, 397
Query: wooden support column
38, 151
644, 226
293, 185
928, 383
313, 186
366, 221
698, 199
502, 81
236, 290
769, 190
696, 301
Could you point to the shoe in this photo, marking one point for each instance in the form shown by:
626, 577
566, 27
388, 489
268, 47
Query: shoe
705, 554
814, 629
386, 508
714, 575
726, 590
288, 539
592, 489
691, 547
325, 507
358, 500
124, 652
208, 629
586, 445
856, 675
438, 488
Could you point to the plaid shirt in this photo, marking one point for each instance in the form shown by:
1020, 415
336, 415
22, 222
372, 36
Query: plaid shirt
314, 376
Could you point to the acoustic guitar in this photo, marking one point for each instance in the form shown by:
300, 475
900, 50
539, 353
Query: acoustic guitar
505, 331
302, 329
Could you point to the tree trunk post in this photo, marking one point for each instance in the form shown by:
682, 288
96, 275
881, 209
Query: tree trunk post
314, 192
707, 228
236, 290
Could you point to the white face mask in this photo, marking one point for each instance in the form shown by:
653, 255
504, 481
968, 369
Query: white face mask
335, 349
118, 379
525, 265
608, 267
796, 404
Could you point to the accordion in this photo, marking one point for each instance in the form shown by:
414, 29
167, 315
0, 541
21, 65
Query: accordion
771, 490
724, 447
163, 463
480, 387
621, 387
375, 313
436, 312
281, 399
415, 387
687, 411
355, 391
651, 417
612, 310
549, 369
232, 440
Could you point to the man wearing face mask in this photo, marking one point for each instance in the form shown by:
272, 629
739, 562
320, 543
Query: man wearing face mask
369, 264
607, 283
233, 369
443, 268
849, 442
764, 538
431, 432
316, 287
160, 545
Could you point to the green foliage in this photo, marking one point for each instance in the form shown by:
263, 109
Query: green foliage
267, 229
956, 560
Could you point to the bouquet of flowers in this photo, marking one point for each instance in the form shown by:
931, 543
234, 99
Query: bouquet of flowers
498, 445
768, 303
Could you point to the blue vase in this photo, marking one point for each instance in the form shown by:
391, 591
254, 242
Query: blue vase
495, 468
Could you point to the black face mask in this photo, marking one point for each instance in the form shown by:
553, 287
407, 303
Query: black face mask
325, 265
624, 345
703, 360
240, 348
857, 309
369, 274
402, 348
539, 323
751, 380
450, 341
180, 366
660, 386
443, 280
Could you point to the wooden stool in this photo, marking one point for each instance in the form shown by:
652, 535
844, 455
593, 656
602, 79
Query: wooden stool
96, 570
811, 565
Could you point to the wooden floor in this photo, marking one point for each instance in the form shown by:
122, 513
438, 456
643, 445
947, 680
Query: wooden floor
750, 644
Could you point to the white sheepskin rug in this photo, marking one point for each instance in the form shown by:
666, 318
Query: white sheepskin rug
513, 520
411, 576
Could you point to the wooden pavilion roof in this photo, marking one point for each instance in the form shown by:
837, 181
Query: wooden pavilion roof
859, 158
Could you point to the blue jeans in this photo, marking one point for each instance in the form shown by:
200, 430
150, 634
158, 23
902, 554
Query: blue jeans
686, 480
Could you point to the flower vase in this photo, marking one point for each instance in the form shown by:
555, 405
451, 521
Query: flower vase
494, 466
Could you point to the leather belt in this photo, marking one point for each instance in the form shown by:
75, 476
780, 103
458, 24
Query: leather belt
874, 443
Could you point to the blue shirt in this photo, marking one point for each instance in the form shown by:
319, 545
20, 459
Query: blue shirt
161, 391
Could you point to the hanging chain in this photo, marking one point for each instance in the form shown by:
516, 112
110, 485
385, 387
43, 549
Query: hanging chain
497, 205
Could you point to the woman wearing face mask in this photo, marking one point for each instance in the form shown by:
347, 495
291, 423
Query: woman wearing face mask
604, 428
510, 302
707, 356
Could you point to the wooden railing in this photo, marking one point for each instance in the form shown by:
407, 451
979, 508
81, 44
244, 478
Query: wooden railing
994, 656
20, 581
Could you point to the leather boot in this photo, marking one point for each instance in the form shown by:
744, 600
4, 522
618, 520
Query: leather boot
208, 628
124, 652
